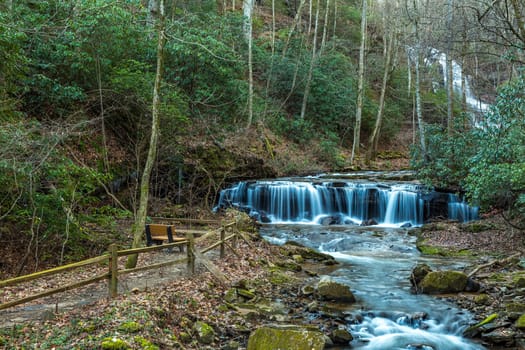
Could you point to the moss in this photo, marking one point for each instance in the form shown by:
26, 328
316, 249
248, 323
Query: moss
520, 322
474, 329
205, 332
3, 341
114, 344
286, 337
427, 249
130, 327
145, 344
476, 227
438, 282
279, 278
482, 299
515, 307
487, 320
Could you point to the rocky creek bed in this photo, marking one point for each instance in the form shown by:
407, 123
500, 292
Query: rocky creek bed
279, 291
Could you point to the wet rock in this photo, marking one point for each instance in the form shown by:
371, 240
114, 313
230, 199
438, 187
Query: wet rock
418, 273
286, 337
329, 289
441, 282
500, 336
472, 285
483, 326
341, 336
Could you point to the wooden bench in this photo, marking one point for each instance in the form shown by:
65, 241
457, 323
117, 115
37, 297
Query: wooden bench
158, 233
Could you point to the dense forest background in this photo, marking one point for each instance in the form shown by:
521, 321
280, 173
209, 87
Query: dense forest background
250, 89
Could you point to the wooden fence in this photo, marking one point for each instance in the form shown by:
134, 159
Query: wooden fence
226, 233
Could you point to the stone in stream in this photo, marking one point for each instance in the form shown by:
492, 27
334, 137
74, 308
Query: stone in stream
329, 289
441, 282
290, 337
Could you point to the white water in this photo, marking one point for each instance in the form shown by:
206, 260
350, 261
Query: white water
376, 263
343, 202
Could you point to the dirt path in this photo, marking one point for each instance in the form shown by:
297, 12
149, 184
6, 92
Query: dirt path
45, 308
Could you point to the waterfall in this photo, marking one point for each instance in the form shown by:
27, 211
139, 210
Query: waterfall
343, 202
457, 82
460, 210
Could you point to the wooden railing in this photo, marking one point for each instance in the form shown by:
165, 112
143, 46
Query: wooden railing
226, 233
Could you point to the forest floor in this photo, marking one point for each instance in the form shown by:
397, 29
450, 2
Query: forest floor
162, 303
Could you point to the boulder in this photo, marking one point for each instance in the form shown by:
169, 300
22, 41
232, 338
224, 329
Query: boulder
205, 333
341, 336
329, 289
418, 273
441, 282
290, 337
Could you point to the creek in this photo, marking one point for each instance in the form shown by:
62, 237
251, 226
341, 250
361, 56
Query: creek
365, 224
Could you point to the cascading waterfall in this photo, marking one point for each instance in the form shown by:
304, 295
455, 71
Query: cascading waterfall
460, 210
343, 202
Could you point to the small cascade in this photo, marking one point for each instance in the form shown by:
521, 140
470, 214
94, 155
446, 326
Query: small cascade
460, 210
343, 202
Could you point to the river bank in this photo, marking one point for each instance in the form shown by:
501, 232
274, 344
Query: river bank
265, 284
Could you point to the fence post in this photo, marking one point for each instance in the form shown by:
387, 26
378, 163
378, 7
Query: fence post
113, 271
191, 257
223, 235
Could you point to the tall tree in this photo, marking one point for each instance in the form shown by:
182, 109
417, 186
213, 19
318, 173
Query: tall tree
248, 9
374, 137
450, 70
140, 219
360, 85
313, 61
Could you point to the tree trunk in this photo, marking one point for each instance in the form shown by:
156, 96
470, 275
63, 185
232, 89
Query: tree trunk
335, 21
374, 138
360, 84
312, 64
140, 219
248, 9
419, 112
450, 71
294, 25
325, 28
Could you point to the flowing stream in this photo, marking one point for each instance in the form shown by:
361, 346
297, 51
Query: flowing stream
366, 226
376, 263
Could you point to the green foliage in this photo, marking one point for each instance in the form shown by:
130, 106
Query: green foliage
487, 160
202, 61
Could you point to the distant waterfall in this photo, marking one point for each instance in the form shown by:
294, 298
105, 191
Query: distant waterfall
473, 102
343, 203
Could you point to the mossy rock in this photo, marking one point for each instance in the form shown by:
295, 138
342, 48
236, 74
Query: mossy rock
418, 273
145, 344
520, 322
515, 307
428, 249
280, 277
440, 282
130, 327
329, 289
289, 337
114, 344
289, 265
476, 227
482, 299
247, 294
205, 333
292, 248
